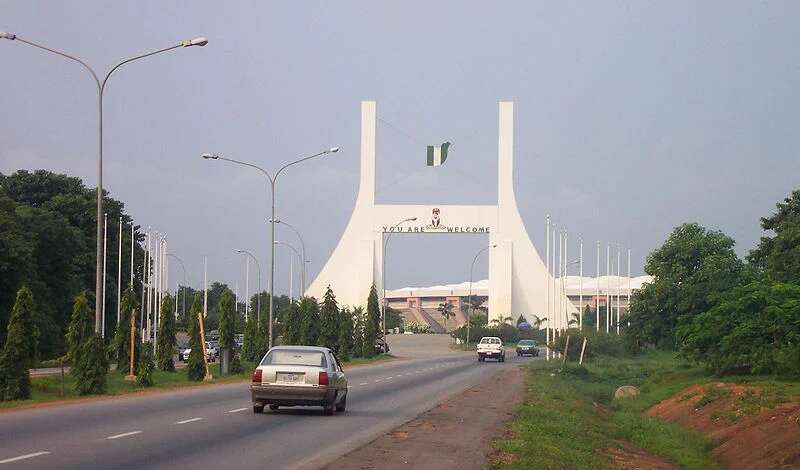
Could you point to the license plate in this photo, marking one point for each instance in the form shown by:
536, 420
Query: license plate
290, 377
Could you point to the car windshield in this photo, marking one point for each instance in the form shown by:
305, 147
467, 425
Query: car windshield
295, 357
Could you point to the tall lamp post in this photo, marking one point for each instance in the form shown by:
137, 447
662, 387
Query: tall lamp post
272, 181
101, 86
258, 265
276, 243
302, 252
383, 273
183, 267
471, 309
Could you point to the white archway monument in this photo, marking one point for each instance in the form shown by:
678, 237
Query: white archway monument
517, 274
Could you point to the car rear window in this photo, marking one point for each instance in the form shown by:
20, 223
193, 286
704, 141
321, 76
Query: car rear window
295, 357
526, 342
490, 341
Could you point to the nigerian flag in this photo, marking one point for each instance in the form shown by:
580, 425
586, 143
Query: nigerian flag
437, 154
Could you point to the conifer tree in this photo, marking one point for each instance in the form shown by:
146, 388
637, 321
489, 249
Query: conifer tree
250, 346
293, 320
372, 323
122, 336
81, 328
166, 335
328, 321
344, 348
358, 332
195, 365
227, 321
145, 376
263, 338
20, 348
91, 367
309, 323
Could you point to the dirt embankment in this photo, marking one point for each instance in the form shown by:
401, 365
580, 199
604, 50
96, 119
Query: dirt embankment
457, 434
754, 427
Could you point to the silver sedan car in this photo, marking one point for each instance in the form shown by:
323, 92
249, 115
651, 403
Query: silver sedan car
299, 376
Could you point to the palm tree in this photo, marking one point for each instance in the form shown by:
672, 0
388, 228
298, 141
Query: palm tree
446, 309
537, 322
501, 320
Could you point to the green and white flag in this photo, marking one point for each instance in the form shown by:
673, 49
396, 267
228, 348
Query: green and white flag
437, 154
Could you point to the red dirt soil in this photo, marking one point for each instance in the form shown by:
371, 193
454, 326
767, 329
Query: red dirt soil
754, 437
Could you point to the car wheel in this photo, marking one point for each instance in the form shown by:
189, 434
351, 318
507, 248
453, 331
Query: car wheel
341, 406
502, 359
273, 407
258, 409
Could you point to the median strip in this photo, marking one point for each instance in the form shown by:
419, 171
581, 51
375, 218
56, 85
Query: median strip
23, 457
125, 434
190, 420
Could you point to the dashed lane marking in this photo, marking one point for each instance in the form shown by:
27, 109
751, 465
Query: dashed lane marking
125, 434
364, 383
236, 410
23, 457
190, 420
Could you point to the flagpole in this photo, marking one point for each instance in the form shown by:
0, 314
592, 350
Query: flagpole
560, 278
132, 236
555, 271
547, 283
628, 309
105, 244
608, 287
119, 270
618, 285
597, 289
564, 282
580, 292
205, 286
246, 287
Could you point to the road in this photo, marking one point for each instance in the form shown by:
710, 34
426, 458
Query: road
214, 426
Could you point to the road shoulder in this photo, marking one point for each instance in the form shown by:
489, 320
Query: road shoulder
456, 434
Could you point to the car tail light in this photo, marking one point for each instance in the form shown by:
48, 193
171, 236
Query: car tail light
323, 378
257, 376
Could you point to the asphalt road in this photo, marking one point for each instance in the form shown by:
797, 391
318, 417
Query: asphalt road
214, 427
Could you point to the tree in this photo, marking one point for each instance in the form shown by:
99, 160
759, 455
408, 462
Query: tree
521, 320
165, 347
263, 336
755, 328
195, 365
292, 321
328, 319
20, 348
145, 376
445, 310
227, 321
358, 331
779, 256
372, 323
690, 270
81, 328
345, 342
122, 335
309, 323
250, 346
91, 368
499, 321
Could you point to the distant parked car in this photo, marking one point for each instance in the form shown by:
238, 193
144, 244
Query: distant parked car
491, 347
299, 376
527, 347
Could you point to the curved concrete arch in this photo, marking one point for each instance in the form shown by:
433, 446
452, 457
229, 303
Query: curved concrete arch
517, 274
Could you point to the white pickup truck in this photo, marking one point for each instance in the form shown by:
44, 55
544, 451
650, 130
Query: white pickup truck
492, 347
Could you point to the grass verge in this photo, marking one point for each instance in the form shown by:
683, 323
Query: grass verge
570, 416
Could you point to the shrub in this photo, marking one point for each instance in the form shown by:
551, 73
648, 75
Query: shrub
19, 350
145, 376
91, 368
597, 343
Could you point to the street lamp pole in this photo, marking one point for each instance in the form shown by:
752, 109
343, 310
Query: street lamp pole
101, 85
258, 298
471, 308
383, 272
272, 181
303, 252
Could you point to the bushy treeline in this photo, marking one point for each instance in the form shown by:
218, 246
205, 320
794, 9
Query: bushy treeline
47, 244
729, 314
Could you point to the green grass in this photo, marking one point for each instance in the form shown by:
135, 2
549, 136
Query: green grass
48, 388
356, 361
570, 416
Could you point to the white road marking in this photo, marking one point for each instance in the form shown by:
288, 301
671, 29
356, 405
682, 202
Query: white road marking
125, 434
378, 380
236, 410
190, 420
364, 383
23, 457
389, 378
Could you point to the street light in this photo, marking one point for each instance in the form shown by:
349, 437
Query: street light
258, 265
183, 266
291, 275
383, 273
272, 181
101, 85
303, 251
471, 309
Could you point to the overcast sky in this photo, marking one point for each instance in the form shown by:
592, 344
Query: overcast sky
631, 117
